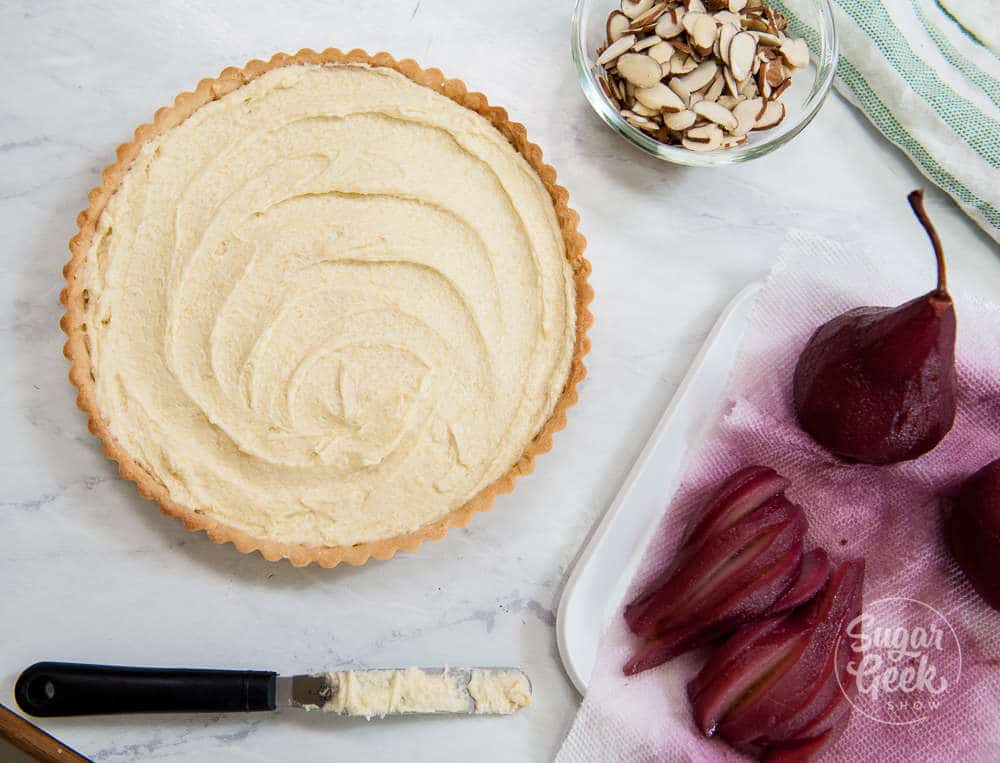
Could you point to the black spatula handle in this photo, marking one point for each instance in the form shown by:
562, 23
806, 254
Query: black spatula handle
50, 689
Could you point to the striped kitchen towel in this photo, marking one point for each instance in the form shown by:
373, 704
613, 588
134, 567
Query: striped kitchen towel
929, 84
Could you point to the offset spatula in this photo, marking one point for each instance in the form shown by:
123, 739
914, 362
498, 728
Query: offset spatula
49, 689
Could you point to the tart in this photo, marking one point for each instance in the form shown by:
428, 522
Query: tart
327, 306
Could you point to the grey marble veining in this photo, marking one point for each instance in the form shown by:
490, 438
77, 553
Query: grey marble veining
90, 572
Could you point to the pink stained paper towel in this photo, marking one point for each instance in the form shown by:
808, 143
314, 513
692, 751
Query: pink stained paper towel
890, 515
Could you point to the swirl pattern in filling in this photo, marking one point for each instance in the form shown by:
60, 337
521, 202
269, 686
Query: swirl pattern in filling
329, 307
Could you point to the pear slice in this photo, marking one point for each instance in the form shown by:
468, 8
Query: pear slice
760, 666
810, 581
743, 492
726, 563
810, 685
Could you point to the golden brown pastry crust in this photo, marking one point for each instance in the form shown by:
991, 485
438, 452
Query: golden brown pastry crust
170, 116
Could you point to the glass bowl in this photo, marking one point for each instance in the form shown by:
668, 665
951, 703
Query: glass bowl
812, 20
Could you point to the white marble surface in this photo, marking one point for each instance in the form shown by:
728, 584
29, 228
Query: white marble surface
90, 572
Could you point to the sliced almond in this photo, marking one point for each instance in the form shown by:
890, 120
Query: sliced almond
748, 88
644, 111
680, 120
646, 42
796, 52
726, 35
755, 24
649, 126
716, 113
731, 141
737, 5
615, 49
775, 74
715, 89
680, 88
640, 122
617, 25
664, 136
780, 89
725, 17
704, 33
603, 82
730, 81
689, 21
701, 76
695, 6
649, 18
746, 115
742, 56
661, 52
639, 69
635, 8
772, 18
763, 86
659, 97
669, 24
707, 138
774, 112
729, 101
686, 64
615, 96
695, 98
679, 44
768, 40
615, 88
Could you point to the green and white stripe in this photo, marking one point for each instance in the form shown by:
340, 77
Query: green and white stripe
969, 70
928, 88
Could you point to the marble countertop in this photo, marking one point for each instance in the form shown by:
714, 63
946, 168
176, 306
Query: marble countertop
90, 572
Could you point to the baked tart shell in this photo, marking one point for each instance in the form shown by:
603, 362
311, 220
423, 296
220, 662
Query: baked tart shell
73, 321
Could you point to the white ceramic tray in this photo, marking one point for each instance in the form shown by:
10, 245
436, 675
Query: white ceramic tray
598, 581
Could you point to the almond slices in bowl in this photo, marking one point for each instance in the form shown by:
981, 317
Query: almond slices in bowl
701, 74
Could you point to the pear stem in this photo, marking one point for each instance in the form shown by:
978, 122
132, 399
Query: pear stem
916, 199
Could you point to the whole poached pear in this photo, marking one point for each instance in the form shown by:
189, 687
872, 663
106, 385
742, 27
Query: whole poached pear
877, 384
